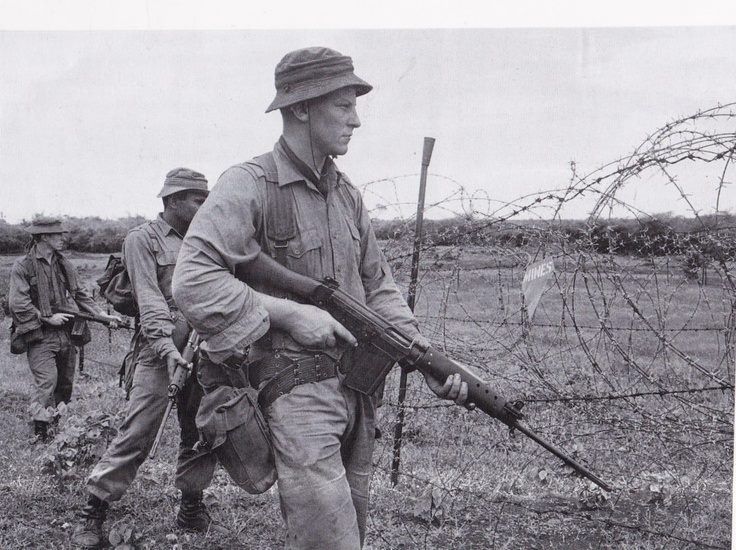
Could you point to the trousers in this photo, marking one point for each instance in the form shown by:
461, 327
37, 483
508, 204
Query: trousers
322, 435
117, 468
52, 362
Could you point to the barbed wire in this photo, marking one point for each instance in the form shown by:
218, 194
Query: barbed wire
638, 307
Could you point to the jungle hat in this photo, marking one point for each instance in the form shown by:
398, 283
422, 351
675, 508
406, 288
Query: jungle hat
183, 179
313, 72
41, 226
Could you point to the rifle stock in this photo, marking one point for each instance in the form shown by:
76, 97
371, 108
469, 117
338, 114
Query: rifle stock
381, 344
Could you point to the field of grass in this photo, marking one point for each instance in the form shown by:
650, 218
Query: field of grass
604, 392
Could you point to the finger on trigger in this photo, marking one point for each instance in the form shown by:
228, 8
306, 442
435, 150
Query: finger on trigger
345, 334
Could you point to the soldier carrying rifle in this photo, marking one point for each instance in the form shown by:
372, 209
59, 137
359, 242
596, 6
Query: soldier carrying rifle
41, 283
149, 255
295, 205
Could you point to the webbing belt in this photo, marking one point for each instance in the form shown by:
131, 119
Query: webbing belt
286, 374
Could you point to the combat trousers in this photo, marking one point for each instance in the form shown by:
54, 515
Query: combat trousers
52, 362
323, 435
116, 470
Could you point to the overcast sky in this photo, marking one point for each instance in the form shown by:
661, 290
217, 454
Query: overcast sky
90, 122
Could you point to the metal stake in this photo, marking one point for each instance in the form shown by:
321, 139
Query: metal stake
411, 299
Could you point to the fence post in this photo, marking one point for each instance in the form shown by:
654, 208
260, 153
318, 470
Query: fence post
411, 298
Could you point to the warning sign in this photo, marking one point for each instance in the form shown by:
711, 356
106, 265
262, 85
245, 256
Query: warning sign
535, 283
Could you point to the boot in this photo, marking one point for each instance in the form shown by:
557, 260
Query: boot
41, 430
193, 515
88, 532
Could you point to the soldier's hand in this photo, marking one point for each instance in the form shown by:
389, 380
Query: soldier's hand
314, 327
174, 359
454, 389
58, 319
114, 321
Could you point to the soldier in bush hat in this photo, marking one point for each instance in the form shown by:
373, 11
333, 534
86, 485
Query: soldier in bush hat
149, 255
296, 206
42, 282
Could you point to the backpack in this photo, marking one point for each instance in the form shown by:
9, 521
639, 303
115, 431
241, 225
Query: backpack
115, 283
116, 287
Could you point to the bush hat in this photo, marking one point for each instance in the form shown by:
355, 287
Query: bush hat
313, 72
183, 179
42, 226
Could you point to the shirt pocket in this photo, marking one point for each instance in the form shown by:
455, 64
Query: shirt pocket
304, 254
167, 257
165, 263
355, 238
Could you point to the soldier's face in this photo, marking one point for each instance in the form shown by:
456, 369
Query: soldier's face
56, 241
187, 205
332, 119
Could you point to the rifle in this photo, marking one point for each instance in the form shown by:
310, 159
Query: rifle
381, 344
181, 374
94, 318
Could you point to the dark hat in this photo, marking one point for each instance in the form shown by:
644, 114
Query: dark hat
183, 179
313, 72
41, 226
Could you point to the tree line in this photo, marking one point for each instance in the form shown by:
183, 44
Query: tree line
713, 235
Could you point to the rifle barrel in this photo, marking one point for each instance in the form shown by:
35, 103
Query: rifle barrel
160, 433
486, 399
562, 456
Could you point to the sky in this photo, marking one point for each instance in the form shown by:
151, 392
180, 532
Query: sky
91, 120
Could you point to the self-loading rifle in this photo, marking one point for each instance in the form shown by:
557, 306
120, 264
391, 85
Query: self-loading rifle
381, 344
94, 318
176, 384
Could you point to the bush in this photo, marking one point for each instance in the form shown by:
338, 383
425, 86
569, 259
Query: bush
90, 234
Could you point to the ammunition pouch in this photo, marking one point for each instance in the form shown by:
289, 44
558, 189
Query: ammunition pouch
19, 341
231, 426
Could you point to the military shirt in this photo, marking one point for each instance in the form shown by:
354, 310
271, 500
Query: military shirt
26, 313
149, 255
334, 238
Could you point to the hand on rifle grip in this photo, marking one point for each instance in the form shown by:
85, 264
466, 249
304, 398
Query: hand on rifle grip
174, 359
316, 328
58, 319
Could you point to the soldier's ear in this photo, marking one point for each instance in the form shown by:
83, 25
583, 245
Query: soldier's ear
300, 111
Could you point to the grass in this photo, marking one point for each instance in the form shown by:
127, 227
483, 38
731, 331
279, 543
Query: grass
466, 483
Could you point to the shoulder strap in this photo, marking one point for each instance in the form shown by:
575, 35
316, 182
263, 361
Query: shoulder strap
41, 286
279, 211
156, 234
70, 273
29, 265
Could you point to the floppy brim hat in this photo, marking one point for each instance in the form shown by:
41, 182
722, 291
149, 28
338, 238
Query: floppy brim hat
46, 227
313, 72
183, 179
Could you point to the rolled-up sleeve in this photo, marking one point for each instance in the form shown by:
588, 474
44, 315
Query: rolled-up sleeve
225, 312
26, 316
156, 322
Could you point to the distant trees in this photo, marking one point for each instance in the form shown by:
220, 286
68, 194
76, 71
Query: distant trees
90, 234
711, 236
